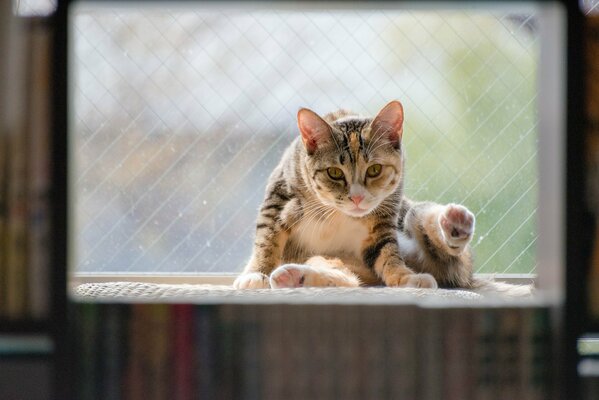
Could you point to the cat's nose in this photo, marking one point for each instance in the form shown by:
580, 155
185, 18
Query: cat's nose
357, 199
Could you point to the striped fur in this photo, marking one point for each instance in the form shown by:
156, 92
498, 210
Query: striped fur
316, 228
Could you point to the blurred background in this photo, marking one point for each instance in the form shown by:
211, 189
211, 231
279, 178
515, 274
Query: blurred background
180, 115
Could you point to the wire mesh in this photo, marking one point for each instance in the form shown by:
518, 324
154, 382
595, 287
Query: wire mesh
180, 115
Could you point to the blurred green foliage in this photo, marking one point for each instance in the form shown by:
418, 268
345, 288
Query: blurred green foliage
475, 140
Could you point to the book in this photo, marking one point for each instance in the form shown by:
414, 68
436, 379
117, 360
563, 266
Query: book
485, 353
113, 350
250, 366
227, 346
6, 22
347, 353
272, 380
403, 349
374, 333
159, 339
431, 363
542, 346
457, 354
181, 351
38, 181
136, 371
183, 356
206, 353
19, 89
88, 332
592, 155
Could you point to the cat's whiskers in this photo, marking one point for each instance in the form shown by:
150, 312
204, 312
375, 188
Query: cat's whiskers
320, 218
380, 145
308, 214
373, 139
376, 138
311, 211
384, 210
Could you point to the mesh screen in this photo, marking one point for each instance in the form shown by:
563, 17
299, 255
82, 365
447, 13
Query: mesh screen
180, 115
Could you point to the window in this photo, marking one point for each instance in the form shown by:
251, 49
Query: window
180, 114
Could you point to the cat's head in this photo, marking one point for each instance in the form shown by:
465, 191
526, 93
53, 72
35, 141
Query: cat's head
353, 163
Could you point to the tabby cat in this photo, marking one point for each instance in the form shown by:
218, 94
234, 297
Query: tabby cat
334, 213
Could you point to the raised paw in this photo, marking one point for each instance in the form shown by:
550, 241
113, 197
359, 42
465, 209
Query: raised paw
252, 280
457, 224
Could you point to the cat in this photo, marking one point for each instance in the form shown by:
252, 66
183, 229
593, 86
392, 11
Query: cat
334, 213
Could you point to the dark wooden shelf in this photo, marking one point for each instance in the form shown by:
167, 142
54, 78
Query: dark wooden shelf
24, 326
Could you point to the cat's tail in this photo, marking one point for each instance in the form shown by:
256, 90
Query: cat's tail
491, 287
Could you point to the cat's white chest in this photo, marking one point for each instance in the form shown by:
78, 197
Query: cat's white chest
335, 236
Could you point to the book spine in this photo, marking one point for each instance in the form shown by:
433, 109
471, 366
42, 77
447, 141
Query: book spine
526, 354
403, 351
6, 22
457, 356
183, 355
16, 247
227, 368
113, 342
348, 348
373, 338
38, 223
273, 379
88, 317
160, 326
250, 363
206, 342
592, 156
485, 353
542, 385
136, 369
509, 364
431, 361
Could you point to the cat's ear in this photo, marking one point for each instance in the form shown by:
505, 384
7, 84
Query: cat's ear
315, 130
389, 122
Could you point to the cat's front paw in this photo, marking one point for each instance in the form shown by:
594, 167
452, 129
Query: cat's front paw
457, 225
289, 276
301, 275
413, 281
419, 281
252, 280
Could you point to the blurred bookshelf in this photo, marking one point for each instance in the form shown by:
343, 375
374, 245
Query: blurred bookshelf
32, 297
223, 351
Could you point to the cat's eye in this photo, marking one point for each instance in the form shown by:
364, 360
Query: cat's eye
335, 173
374, 170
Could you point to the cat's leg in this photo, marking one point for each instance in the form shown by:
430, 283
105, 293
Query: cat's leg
457, 227
381, 254
436, 239
271, 237
317, 272
442, 229
265, 258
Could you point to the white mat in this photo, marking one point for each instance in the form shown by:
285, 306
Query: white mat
150, 292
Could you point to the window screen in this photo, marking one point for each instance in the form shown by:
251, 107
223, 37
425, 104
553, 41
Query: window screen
179, 116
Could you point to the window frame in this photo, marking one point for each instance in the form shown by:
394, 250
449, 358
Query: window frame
550, 273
